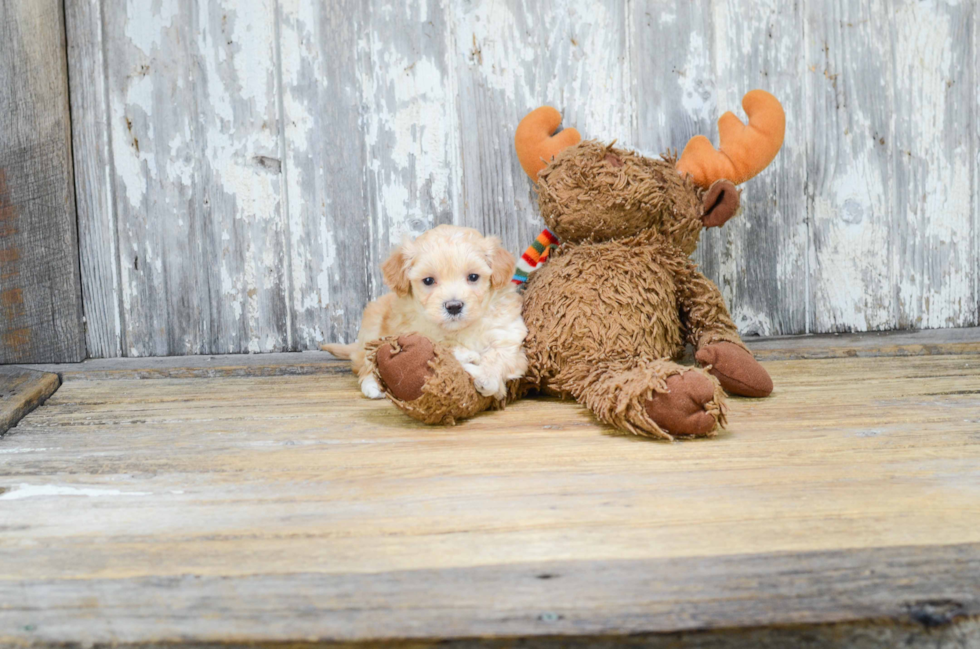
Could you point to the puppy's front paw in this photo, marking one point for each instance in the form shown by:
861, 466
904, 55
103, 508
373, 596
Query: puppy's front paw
466, 356
488, 386
371, 389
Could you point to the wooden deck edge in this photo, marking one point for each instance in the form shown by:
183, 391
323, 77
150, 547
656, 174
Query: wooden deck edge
21, 391
911, 596
960, 633
823, 346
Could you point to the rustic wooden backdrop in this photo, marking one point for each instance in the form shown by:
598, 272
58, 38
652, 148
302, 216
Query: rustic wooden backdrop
40, 293
243, 166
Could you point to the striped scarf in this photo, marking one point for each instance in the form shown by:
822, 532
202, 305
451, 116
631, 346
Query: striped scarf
535, 255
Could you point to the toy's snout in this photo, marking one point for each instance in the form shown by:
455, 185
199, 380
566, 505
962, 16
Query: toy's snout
720, 203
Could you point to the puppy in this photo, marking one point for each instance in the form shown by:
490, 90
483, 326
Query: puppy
453, 286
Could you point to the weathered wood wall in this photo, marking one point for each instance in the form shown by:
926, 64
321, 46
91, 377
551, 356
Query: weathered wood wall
243, 167
40, 296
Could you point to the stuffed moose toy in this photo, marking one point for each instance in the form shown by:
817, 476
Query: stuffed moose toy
619, 298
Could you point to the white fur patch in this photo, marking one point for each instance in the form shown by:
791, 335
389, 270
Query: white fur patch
371, 389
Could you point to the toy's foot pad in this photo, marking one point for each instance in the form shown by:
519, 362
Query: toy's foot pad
737, 371
681, 411
404, 366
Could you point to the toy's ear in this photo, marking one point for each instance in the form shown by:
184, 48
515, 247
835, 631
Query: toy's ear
395, 271
538, 139
745, 150
720, 203
502, 263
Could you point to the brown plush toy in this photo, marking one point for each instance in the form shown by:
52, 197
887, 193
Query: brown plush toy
620, 297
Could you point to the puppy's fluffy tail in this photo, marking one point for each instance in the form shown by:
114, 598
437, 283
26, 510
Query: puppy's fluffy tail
340, 351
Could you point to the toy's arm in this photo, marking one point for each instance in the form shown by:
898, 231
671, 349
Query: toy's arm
703, 310
711, 330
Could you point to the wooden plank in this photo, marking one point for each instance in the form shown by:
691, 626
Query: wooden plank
976, 160
40, 301
136, 512
409, 123
908, 597
369, 108
510, 58
94, 183
21, 391
887, 172
935, 262
892, 464
674, 92
760, 259
848, 168
330, 217
195, 134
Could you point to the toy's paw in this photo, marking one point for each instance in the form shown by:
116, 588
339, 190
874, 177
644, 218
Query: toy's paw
371, 389
681, 411
737, 371
404, 367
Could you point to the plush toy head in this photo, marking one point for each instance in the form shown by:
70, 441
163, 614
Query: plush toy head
588, 191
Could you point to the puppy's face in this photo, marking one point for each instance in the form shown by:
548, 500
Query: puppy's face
451, 272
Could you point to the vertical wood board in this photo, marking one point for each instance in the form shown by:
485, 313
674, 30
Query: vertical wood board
94, 181
40, 301
194, 130
889, 171
371, 150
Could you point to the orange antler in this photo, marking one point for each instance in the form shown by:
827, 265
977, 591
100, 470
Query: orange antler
535, 143
745, 150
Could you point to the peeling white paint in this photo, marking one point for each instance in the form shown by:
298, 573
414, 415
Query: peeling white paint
406, 126
222, 149
852, 262
935, 290
149, 20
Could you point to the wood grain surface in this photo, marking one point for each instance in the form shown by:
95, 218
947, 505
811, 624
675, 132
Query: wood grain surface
22, 390
290, 508
244, 167
102, 291
40, 295
895, 597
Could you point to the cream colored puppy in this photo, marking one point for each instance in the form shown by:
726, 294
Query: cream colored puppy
453, 286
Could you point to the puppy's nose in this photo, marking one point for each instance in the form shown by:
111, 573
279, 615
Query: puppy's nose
453, 307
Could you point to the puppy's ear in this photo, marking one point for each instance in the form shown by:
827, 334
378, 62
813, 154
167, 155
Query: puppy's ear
395, 271
501, 262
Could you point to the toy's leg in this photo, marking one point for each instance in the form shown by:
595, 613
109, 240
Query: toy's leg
711, 330
655, 399
425, 380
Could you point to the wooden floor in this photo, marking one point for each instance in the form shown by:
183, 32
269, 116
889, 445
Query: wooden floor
269, 509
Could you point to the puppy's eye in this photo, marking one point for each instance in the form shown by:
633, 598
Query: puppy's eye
473, 277
429, 281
